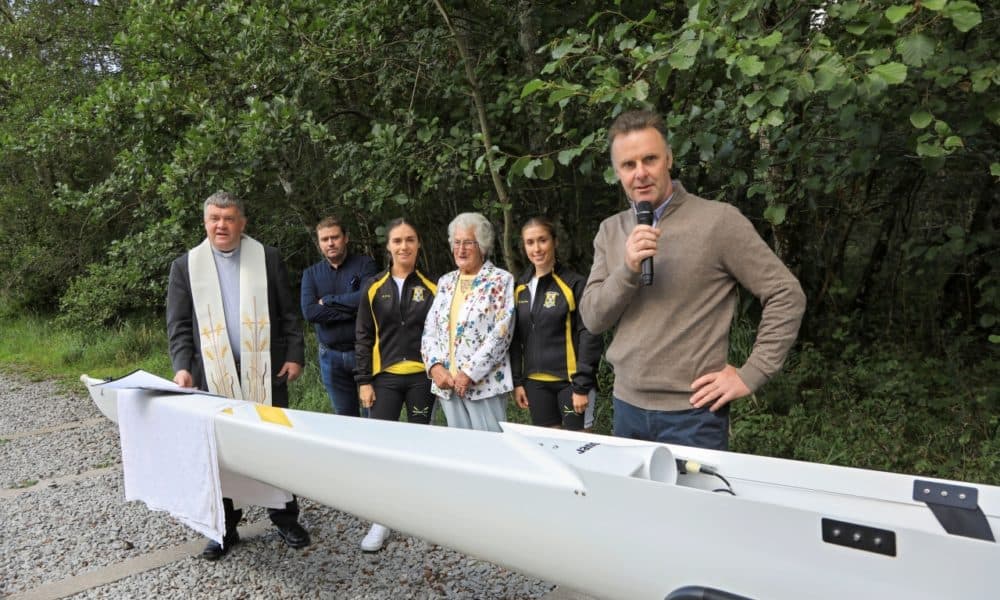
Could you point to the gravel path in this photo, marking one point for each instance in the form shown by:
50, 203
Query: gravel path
63, 519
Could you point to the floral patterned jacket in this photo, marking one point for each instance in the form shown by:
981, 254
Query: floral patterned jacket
482, 336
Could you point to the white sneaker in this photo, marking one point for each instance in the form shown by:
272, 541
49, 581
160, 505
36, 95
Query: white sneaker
375, 539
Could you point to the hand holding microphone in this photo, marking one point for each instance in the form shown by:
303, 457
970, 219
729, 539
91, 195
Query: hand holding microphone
641, 244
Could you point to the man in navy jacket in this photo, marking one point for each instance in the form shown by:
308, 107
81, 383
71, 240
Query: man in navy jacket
331, 292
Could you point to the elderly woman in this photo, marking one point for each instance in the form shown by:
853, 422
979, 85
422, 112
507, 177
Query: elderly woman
469, 329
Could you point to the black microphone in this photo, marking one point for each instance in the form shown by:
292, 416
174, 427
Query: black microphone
644, 212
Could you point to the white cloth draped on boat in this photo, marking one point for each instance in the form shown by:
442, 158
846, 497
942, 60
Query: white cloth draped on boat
170, 460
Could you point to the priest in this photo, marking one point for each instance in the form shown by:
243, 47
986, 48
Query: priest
234, 330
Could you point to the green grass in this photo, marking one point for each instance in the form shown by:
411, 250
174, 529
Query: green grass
307, 392
35, 347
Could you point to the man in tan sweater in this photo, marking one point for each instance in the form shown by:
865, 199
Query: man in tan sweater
672, 379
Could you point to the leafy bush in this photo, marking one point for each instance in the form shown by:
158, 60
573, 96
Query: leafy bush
131, 281
878, 408
104, 295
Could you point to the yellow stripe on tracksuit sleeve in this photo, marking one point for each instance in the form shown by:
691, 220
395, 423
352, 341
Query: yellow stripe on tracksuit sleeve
430, 284
571, 302
272, 414
376, 350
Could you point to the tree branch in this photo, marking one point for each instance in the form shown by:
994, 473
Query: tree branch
508, 250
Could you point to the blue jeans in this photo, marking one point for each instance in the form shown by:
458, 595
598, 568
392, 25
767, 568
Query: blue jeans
698, 427
337, 370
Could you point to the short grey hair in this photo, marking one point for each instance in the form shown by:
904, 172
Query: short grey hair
637, 120
480, 226
224, 200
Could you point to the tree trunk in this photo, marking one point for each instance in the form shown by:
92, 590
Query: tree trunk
501, 189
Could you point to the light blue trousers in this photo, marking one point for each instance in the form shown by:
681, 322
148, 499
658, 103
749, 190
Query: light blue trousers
484, 415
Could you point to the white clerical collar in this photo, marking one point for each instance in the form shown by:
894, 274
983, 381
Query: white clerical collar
231, 254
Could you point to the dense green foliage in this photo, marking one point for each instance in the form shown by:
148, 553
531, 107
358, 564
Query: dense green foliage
860, 136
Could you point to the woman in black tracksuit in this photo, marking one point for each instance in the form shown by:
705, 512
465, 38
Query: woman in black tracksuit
554, 358
390, 372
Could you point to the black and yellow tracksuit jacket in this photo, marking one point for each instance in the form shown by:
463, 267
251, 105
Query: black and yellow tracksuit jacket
550, 341
389, 325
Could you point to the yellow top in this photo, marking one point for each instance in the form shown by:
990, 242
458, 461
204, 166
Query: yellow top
462, 291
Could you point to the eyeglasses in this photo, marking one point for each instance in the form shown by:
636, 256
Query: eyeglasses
467, 244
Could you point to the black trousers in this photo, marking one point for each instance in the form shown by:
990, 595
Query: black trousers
393, 391
551, 403
282, 517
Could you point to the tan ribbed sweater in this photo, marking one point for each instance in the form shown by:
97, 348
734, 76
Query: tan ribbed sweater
676, 330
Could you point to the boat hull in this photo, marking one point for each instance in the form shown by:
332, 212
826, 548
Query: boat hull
612, 517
